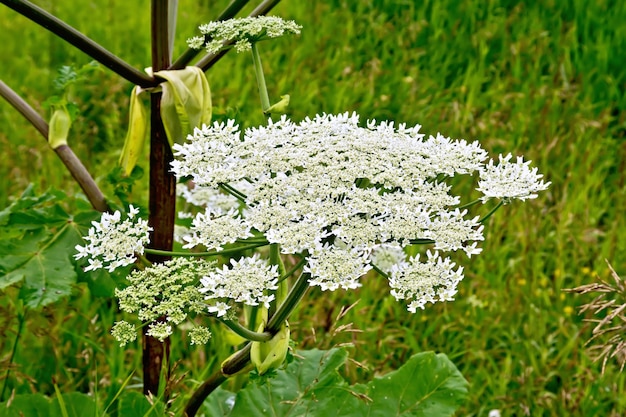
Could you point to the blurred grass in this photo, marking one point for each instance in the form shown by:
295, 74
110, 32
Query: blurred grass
542, 79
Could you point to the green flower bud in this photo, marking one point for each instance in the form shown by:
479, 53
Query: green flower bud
59, 127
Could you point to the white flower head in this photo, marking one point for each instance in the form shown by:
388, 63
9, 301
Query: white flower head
420, 283
242, 31
387, 255
113, 241
247, 281
510, 180
332, 267
212, 230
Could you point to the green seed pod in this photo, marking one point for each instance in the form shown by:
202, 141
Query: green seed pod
271, 354
59, 127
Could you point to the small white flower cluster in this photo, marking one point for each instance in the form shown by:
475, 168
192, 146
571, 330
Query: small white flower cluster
424, 282
242, 31
215, 229
247, 281
509, 180
113, 242
338, 192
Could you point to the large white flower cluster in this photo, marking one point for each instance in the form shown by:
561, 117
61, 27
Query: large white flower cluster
113, 241
339, 192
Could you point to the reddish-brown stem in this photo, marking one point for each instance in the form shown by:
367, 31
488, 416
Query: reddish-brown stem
162, 193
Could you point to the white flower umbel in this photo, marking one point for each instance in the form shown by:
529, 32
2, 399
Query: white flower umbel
420, 283
247, 281
113, 242
242, 31
336, 191
212, 230
510, 180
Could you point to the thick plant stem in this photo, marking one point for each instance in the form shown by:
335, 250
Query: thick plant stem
64, 152
162, 193
80, 41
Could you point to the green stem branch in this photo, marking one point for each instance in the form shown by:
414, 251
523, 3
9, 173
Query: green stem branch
224, 252
493, 210
246, 333
64, 152
260, 78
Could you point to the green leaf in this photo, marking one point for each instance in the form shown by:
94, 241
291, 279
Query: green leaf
427, 385
28, 405
135, 404
37, 405
37, 240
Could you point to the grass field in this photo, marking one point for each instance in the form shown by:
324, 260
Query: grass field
542, 79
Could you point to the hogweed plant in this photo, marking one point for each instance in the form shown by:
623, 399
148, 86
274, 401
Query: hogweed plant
279, 208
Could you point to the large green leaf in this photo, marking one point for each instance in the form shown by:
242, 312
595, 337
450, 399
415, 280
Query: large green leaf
427, 385
37, 240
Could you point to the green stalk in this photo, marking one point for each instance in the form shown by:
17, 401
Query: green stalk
228, 251
493, 210
246, 333
233, 191
260, 78
20, 326
80, 41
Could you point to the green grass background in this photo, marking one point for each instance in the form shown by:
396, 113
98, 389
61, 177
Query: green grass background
543, 79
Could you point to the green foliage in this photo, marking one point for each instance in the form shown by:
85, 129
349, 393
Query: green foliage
426, 385
37, 236
72, 404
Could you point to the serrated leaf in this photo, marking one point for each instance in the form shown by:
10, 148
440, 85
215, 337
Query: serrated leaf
427, 385
37, 241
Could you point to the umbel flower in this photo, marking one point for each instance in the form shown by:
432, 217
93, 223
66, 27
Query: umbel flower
162, 294
242, 31
113, 242
338, 193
